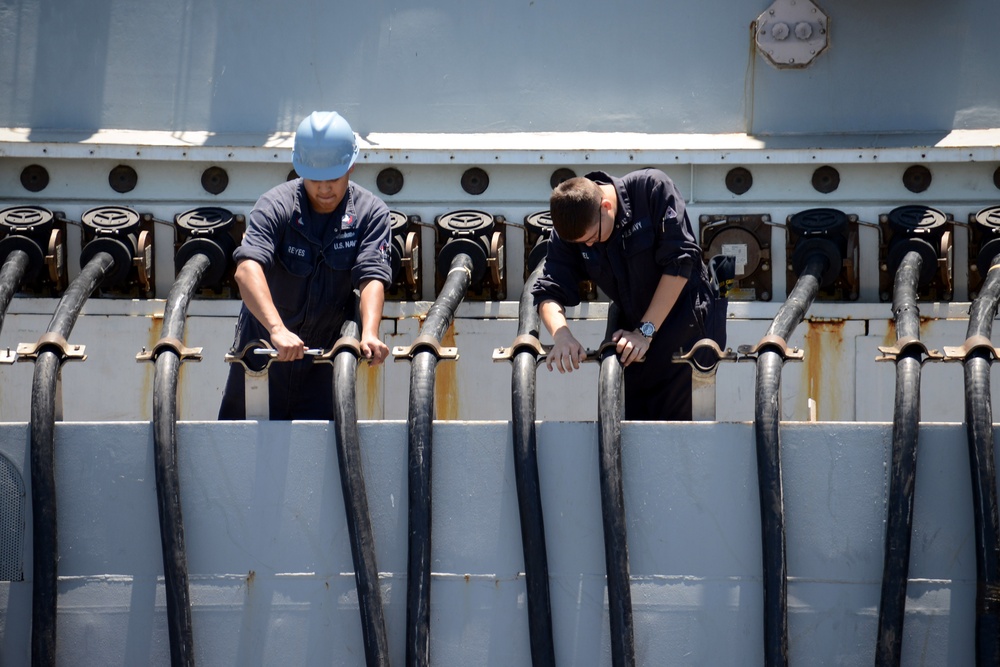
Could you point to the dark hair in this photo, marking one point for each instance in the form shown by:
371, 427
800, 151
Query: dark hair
573, 206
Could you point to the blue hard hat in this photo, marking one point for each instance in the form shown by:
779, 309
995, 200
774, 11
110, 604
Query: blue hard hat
325, 147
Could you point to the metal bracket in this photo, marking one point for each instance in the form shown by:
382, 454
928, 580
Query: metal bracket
906, 346
705, 344
239, 358
424, 341
787, 354
971, 344
170, 343
344, 343
523, 343
30, 351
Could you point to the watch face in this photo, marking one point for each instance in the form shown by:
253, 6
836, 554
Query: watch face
647, 329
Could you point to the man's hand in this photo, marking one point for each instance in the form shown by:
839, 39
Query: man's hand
566, 353
630, 345
374, 350
289, 346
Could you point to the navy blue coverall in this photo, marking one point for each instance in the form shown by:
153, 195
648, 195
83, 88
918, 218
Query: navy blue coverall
312, 263
652, 237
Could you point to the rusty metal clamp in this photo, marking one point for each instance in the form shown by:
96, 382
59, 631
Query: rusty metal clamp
240, 357
906, 346
787, 354
705, 344
421, 342
972, 344
343, 343
173, 344
523, 343
30, 351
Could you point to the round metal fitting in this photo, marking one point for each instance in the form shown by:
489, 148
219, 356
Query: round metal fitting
397, 221
565, 173
818, 222
463, 246
34, 178
988, 218
28, 220
539, 222
928, 257
389, 181
915, 218
204, 220
780, 31
826, 179
123, 178
740, 242
214, 180
818, 246
917, 178
987, 256
465, 222
111, 220
27, 245
739, 180
475, 181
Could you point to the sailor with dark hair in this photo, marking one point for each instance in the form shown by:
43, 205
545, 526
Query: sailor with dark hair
632, 237
310, 242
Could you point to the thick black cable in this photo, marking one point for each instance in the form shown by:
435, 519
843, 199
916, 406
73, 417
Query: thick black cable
979, 427
767, 416
529, 495
902, 475
168, 498
352, 484
420, 438
44, 390
11, 274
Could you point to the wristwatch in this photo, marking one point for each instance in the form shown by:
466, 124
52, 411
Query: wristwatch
647, 329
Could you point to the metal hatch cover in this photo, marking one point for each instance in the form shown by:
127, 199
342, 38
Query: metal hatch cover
792, 33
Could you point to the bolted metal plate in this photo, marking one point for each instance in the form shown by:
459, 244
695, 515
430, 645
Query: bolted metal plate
475, 181
739, 180
111, 219
917, 178
818, 221
389, 181
34, 178
740, 244
123, 178
26, 218
214, 180
826, 179
539, 222
989, 217
560, 175
465, 222
915, 218
792, 33
205, 219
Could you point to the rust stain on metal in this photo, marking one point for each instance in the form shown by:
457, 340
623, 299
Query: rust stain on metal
370, 390
446, 382
149, 370
890, 334
824, 343
251, 575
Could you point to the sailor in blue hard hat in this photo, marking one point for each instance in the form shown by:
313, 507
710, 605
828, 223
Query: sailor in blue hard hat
310, 243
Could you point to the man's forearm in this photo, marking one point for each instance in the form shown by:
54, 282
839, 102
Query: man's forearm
370, 306
256, 294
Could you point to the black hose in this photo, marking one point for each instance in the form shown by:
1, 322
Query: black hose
529, 495
168, 495
420, 423
609, 417
44, 389
11, 275
352, 483
767, 415
979, 426
902, 476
